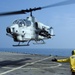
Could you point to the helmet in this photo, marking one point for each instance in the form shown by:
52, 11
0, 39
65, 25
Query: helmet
73, 52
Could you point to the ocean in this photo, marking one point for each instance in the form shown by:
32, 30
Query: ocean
45, 51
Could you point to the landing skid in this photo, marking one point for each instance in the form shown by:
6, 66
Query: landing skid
22, 44
19, 45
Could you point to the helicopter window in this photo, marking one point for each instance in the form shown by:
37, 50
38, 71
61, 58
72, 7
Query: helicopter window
15, 22
20, 24
28, 23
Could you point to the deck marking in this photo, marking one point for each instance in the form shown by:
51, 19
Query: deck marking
25, 65
58, 64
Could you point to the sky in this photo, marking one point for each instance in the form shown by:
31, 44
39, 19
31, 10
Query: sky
60, 14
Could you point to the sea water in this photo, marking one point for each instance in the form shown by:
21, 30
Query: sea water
45, 51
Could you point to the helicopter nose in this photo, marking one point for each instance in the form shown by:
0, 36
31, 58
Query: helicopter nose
8, 30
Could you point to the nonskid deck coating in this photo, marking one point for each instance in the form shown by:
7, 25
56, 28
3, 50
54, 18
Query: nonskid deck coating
31, 64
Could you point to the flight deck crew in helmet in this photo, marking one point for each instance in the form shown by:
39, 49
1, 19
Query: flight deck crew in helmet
71, 60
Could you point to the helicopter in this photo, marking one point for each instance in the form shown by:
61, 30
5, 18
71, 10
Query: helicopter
29, 29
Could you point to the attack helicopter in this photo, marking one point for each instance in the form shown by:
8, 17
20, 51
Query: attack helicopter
29, 29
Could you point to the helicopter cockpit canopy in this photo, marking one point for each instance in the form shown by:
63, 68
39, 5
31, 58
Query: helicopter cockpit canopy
22, 22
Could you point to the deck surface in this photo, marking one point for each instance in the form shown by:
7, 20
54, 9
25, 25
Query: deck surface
31, 64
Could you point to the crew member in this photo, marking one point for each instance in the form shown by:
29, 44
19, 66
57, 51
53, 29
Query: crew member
71, 60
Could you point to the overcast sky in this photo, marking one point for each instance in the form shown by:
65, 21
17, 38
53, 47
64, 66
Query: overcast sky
60, 15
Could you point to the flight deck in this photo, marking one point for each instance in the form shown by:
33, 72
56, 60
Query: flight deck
31, 64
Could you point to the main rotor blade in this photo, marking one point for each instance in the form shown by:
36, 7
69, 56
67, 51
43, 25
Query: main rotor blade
12, 13
67, 2
19, 12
